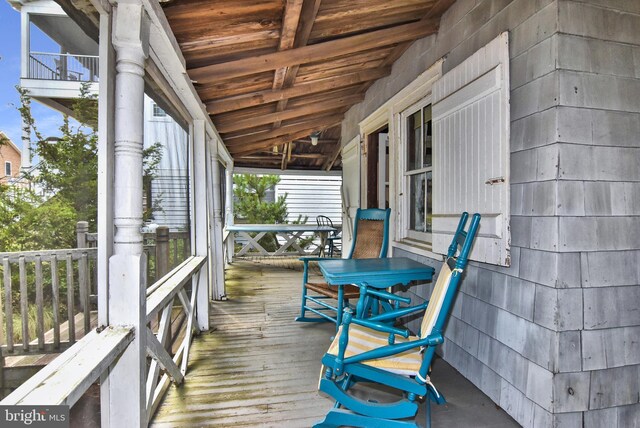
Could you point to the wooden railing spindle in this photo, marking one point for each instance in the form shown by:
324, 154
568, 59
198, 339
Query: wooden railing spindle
70, 301
55, 297
83, 281
8, 307
39, 303
24, 303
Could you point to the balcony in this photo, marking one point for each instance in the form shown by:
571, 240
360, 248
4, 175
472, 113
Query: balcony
63, 67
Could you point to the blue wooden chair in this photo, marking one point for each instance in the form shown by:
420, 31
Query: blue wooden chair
370, 240
333, 239
368, 350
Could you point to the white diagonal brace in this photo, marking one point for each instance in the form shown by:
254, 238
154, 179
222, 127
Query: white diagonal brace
157, 352
154, 369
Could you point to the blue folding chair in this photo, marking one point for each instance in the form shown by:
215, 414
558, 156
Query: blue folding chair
370, 240
369, 350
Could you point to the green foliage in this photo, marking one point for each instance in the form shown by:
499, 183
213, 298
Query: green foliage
30, 223
251, 207
68, 174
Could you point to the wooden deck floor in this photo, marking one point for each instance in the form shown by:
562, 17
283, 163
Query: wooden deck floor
257, 367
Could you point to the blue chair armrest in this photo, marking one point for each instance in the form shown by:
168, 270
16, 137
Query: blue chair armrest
385, 295
399, 312
381, 327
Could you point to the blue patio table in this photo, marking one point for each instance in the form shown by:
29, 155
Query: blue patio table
289, 232
377, 273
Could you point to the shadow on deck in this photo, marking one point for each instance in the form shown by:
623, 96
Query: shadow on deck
257, 367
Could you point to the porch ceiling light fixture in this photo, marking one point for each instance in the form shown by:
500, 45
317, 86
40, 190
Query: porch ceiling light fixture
314, 138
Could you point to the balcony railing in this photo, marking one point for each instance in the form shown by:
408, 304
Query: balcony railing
66, 67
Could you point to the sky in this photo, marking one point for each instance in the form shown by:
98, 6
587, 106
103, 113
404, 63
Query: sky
47, 120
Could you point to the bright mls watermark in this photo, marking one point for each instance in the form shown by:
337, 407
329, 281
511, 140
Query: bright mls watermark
34, 416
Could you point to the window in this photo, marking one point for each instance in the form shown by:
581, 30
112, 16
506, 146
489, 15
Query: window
7, 169
158, 112
419, 169
416, 172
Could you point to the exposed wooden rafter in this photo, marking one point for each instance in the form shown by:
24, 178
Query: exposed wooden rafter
271, 72
263, 97
233, 124
310, 53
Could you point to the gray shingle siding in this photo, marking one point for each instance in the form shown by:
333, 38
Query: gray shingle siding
554, 338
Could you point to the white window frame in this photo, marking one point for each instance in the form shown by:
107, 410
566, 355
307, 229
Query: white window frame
389, 113
404, 177
8, 163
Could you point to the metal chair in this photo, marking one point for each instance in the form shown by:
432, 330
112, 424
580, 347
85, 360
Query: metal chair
369, 350
370, 240
333, 239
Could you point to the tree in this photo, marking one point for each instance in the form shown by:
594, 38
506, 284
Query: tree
67, 172
251, 205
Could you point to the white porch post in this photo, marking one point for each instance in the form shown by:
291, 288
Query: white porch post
228, 204
201, 227
127, 267
106, 112
217, 255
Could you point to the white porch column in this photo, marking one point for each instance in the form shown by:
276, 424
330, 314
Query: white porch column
228, 204
217, 263
127, 267
106, 114
201, 216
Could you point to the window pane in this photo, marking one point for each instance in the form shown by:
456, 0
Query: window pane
420, 202
426, 159
414, 148
428, 207
166, 184
417, 203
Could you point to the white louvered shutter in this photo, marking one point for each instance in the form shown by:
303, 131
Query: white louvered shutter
471, 151
350, 190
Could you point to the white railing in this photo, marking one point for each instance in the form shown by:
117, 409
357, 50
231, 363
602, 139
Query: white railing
67, 67
66, 378
45, 283
160, 302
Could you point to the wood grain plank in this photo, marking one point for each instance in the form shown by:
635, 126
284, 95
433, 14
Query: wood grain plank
39, 304
306, 54
263, 97
304, 110
293, 131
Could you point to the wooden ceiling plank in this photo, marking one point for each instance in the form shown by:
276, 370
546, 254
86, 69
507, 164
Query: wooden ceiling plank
220, 9
311, 53
263, 97
285, 77
262, 145
333, 157
290, 131
235, 125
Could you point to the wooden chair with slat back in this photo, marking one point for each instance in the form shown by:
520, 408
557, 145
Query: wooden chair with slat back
370, 240
333, 239
374, 352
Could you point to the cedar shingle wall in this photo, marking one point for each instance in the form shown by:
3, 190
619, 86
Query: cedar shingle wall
554, 338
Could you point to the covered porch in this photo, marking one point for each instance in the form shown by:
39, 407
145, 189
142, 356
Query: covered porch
256, 367
430, 107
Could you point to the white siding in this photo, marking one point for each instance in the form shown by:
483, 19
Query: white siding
310, 196
471, 151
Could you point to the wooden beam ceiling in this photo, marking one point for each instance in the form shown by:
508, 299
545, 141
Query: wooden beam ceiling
271, 72
252, 99
310, 53
236, 124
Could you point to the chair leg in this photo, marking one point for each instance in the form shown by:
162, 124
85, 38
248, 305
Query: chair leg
340, 306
